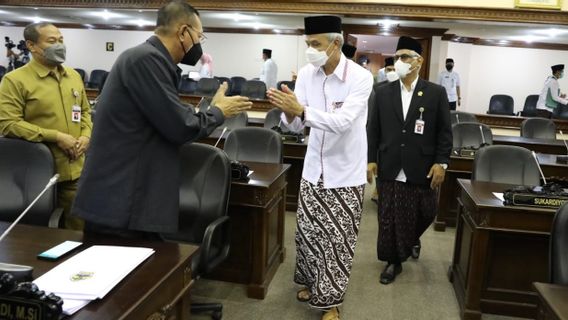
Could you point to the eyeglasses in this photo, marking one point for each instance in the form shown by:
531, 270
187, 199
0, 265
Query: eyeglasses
405, 56
202, 37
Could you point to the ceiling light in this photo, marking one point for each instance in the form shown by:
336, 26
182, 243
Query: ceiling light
141, 22
105, 14
552, 32
387, 23
37, 19
276, 31
528, 38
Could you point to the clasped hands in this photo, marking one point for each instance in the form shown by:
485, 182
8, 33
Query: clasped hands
73, 148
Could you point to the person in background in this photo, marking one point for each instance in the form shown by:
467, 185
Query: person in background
44, 101
130, 185
550, 95
450, 80
349, 51
206, 70
382, 74
410, 141
269, 73
331, 98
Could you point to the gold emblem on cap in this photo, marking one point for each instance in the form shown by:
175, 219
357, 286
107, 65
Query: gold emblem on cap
421, 108
420, 93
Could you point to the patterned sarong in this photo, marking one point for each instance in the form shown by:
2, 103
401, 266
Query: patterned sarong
326, 234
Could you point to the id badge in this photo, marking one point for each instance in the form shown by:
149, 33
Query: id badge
419, 126
76, 114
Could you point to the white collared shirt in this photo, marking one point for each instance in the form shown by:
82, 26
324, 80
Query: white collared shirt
269, 73
451, 81
335, 107
550, 94
406, 97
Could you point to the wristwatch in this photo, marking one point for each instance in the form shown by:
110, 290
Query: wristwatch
444, 165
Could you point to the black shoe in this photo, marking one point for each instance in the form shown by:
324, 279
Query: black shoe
391, 271
416, 251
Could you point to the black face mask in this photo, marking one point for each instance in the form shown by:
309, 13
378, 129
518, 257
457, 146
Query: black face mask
449, 67
193, 55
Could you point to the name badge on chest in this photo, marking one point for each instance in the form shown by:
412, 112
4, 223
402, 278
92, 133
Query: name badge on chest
419, 124
76, 113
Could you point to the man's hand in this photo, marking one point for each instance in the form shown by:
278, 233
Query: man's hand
459, 101
67, 143
563, 96
286, 101
371, 172
82, 145
230, 106
437, 173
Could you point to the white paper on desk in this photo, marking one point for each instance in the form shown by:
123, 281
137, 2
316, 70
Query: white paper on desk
92, 273
250, 172
70, 306
499, 195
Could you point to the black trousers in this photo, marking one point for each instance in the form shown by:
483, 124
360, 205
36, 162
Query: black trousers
543, 113
453, 105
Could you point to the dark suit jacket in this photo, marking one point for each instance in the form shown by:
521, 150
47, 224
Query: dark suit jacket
131, 174
392, 141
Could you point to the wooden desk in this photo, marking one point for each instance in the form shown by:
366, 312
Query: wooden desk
512, 122
460, 168
151, 286
536, 145
499, 252
257, 212
553, 301
294, 154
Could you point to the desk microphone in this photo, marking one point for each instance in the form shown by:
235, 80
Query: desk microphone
566, 145
20, 271
539, 168
218, 140
457, 118
482, 136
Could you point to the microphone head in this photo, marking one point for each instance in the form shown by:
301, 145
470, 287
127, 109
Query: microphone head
54, 178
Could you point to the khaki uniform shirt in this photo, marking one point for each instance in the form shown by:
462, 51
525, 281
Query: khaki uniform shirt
35, 105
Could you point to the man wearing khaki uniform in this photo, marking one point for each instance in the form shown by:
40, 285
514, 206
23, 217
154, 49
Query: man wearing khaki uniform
44, 101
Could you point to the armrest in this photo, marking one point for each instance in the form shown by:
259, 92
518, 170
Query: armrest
220, 225
55, 217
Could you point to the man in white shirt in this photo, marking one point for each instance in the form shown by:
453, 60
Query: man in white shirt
410, 141
331, 97
269, 73
382, 74
450, 80
550, 95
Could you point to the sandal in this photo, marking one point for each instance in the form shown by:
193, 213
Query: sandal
303, 295
331, 314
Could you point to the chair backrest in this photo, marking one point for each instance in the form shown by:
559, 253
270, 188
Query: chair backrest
290, 84
205, 182
254, 89
501, 104
470, 134
254, 144
529, 109
506, 164
25, 169
559, 247
460, 116
82, 73
227, 80
238, 121
538, 128
237, 84
207, 87
96, 77
187, 86
272, 118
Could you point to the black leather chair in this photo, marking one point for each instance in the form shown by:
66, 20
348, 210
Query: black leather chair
469, 134
96, 78
187, 85
254, 144
506, 164
558, 263
254, 89
272, 118
238, 121
25, 169
207, 87
102, 83
538, 128
204, 197
290, 84
460, 116
237, 84
529, 109
501, 104
561, 112
82, 73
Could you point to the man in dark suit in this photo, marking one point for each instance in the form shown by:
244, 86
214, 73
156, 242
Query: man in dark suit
410, 140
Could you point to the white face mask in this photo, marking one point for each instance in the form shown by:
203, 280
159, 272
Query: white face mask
317, 58
392, 76
402, 68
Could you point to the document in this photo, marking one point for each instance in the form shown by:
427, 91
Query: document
499, 195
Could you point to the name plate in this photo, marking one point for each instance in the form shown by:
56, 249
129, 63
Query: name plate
467, 153
21, 309
532, 200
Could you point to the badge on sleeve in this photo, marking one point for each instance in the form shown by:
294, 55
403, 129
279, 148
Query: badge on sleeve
76, 114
